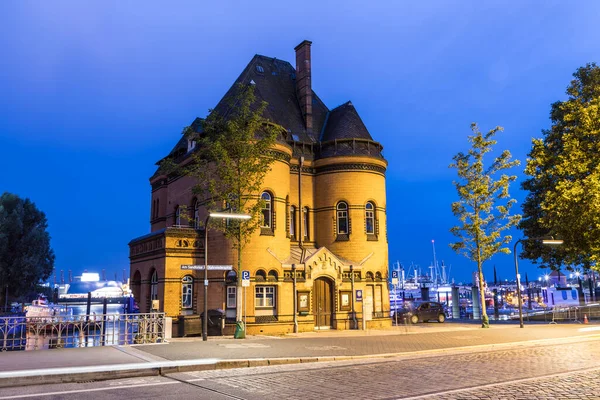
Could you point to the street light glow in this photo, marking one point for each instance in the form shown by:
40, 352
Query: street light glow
553, 242
229, 216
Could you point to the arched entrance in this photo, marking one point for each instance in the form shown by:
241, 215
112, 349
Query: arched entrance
323, 303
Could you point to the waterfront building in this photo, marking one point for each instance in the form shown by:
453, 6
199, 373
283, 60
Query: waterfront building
324, 221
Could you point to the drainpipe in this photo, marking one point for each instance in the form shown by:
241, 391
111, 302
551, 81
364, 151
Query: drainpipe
295, 299
300, 209
354, 324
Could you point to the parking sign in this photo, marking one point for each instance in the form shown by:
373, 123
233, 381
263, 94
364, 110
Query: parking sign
394, 277
245, 278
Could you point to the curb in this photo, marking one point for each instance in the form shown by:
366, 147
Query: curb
155, 368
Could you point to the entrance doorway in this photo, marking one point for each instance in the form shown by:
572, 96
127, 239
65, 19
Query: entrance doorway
323, 303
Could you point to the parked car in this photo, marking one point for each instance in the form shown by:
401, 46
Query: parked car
416, 311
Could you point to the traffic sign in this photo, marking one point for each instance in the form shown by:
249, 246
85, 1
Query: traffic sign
359, 295
210, 267
394, 277
245, 278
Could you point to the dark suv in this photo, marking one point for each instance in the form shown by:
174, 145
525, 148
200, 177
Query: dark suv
415, 311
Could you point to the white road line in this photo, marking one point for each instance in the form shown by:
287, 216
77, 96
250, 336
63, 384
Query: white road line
38, 395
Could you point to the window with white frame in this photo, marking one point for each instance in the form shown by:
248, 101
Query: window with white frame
267, 209
231, 296
370, 218
187, 292
342, 218
178, 216
264, 296
196, 214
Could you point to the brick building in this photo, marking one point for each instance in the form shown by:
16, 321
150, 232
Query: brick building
325, 221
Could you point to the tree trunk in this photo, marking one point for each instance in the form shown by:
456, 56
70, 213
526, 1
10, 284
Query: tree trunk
485, 321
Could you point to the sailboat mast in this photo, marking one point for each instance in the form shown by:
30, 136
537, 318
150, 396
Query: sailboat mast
435, 266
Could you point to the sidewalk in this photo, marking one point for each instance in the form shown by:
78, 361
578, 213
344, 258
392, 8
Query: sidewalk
20, 368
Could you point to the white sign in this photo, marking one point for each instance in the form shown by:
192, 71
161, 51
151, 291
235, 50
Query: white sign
210, 267
245, 278
394, 281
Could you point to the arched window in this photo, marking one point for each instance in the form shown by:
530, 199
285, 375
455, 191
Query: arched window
196, 214
370, 218
267, 210
187, 292
305, 222
342, 218
157, 204
154, 286
272, 275
178, 216
292, 222
260, 276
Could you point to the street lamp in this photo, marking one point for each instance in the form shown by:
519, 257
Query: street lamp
550, 242
212, 215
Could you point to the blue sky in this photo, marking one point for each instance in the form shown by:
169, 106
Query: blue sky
93, 93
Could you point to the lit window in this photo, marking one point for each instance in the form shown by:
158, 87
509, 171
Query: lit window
342, 218
305, 222
265, 296
154, 286
292, 221
370, 218
187, 291
231, 296
266, 210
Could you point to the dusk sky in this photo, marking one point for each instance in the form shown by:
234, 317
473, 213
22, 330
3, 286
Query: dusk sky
93, 93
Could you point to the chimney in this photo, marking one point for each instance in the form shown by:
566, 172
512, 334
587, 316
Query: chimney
303, 82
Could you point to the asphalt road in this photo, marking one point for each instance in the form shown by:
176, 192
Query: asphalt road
561, 370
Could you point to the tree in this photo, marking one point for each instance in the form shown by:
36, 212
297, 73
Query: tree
564, 183
25, 253
235, 152
484, 204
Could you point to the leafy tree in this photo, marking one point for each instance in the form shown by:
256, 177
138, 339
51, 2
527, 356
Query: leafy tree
233, 157
564, 188
484, 204
25, 253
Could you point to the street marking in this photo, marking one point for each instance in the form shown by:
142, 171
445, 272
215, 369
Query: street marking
38, 395
318, 348
591, 328
244, 346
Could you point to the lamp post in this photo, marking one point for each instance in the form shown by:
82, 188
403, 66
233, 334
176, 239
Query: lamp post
550, 241
209, 216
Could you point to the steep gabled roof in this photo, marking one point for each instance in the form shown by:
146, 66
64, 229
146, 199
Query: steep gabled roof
343, 122
275, 82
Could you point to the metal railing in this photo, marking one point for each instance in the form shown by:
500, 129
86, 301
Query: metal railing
36, 333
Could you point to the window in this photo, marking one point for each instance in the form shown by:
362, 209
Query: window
187, 292
191, 144
157, 204
154, 286
342, 218
265, 296
267, 208
292, 221
196, 214
370, 218
178, 216
305, 222
231, 296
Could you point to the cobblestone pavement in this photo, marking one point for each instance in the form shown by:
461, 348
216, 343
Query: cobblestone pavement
504, 374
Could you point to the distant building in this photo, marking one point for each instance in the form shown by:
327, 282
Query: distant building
329, 159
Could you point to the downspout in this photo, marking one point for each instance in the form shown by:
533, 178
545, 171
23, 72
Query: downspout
300, 209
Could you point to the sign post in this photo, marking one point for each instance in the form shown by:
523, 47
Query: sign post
245, 284
395, 283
